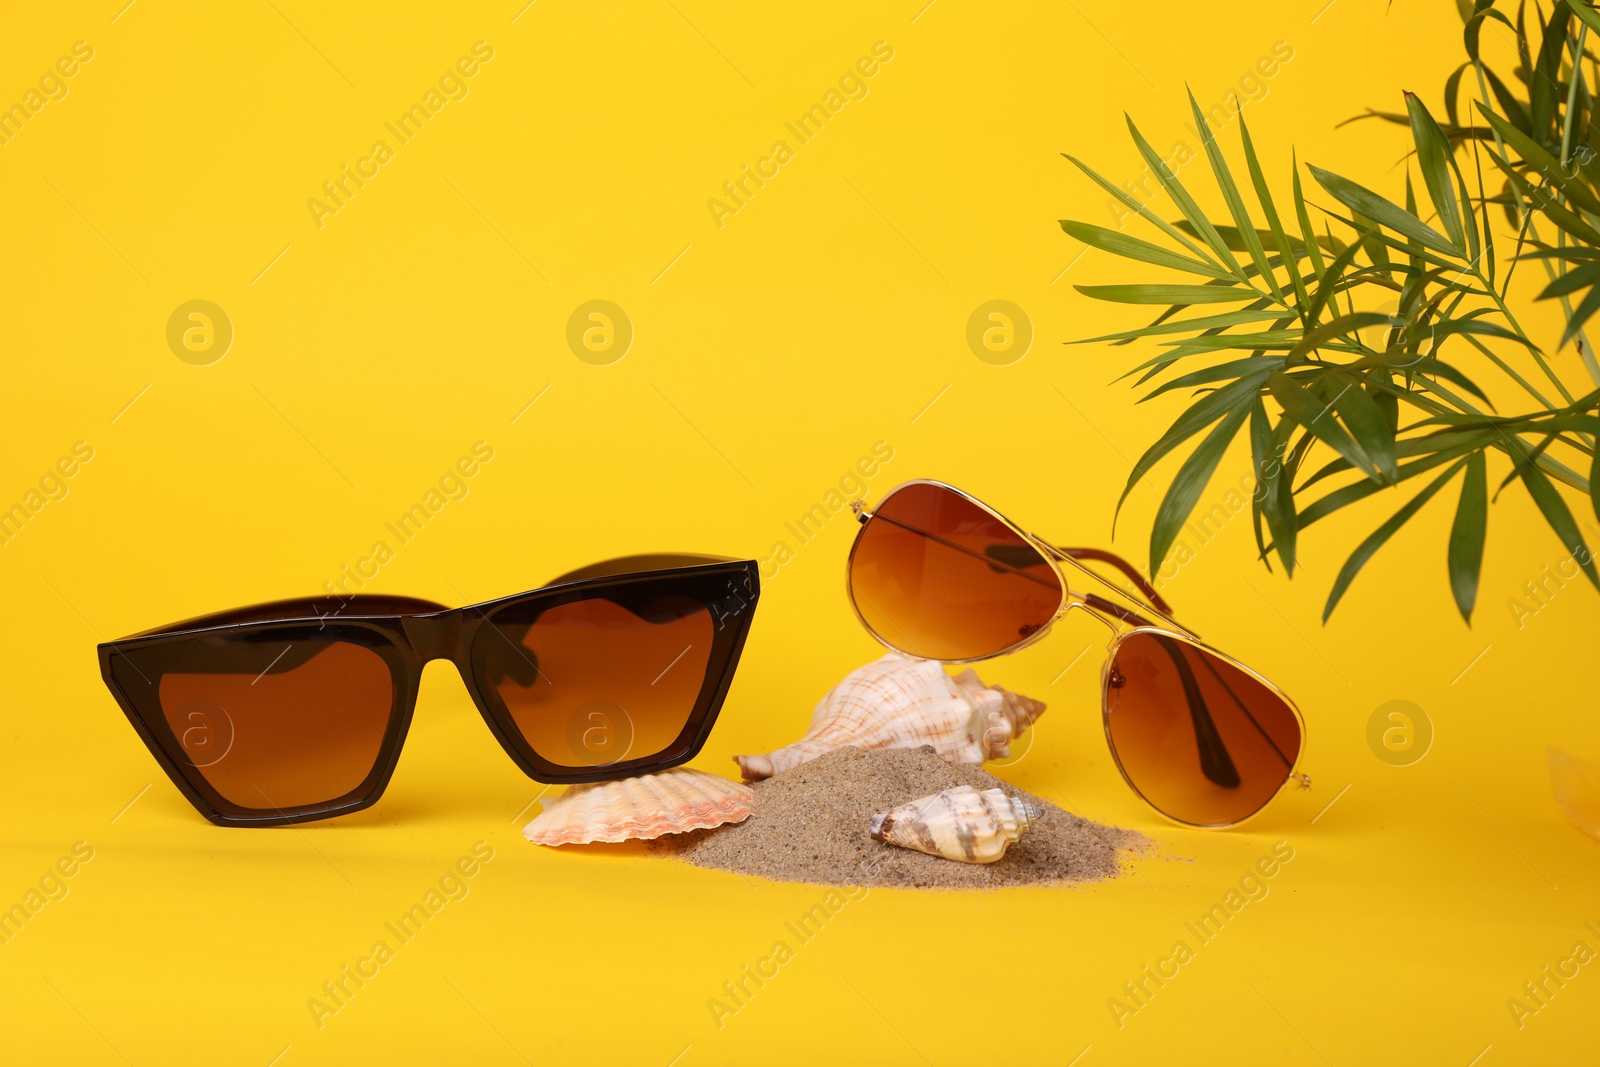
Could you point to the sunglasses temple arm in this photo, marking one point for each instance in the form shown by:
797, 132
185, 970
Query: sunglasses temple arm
996, 555
995, 559
1215, 763
1235, 696
524, 669
1146, 590
1156, 603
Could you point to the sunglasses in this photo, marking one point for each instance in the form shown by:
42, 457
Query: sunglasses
1203, 739
281, 713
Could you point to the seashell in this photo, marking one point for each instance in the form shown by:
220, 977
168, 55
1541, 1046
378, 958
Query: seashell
900, 702
958, 824
645, 807
1576, 783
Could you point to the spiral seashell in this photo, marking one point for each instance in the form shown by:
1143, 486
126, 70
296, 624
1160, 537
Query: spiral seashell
900, 702
645, 807
958, 824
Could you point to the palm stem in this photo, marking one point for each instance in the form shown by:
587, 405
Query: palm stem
1538, 358
1510, 371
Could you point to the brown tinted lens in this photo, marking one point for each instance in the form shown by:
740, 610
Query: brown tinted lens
276, 724
1200, 739
594, 682
935, 575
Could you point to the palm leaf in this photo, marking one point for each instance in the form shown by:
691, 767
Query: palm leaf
1307, 234
1230, 196
1119, 243
1220, 372
1185, 203
1316, 416
1364, 201
1187, 486
1366, 421
1122, 197
1559, 516
1274, 499
1537, 158
1150, 293
1280, 237
1465, 555
1434, 158
1199, 415
1204, 322
1339, 327
1376, 539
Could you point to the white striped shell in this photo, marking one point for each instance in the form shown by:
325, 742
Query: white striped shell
900, 702
645, 807
958, 824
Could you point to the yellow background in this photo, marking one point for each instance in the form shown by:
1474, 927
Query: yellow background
769, 355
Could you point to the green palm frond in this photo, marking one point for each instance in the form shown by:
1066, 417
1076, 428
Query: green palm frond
1366, 340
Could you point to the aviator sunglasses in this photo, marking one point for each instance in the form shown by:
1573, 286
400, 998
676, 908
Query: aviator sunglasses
282, 713
1203, 739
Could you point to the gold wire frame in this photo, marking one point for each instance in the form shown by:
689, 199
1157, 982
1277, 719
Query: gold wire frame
1121, 629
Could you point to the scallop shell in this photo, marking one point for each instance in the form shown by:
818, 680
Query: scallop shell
958, 824
900, 702
671, 802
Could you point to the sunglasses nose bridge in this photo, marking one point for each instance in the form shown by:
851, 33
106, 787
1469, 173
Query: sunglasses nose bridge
1076, 601
433, 636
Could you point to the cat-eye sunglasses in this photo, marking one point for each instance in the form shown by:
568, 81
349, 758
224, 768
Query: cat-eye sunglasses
297, 710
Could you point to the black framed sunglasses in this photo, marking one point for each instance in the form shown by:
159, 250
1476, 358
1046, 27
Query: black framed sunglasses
282, 713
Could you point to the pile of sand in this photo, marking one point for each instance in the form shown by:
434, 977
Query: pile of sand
811, 822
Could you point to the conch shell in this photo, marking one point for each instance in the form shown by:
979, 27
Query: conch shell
671, 802
900, 702
958, 824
